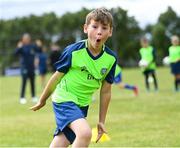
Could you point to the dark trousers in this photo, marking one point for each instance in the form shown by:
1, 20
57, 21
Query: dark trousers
176, 83
147, 74
25, 77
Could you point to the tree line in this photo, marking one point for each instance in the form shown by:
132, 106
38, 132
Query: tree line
68, 28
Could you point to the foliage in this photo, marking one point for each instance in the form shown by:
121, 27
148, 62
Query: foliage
168, 24
126, 35
68, 28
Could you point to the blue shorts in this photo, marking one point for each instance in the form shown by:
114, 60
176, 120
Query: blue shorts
175, 68
65, 113
118, 78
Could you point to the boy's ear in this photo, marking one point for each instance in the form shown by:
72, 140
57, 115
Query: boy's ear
85, 28
110, 32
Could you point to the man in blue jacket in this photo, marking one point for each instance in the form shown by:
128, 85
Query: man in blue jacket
27, 51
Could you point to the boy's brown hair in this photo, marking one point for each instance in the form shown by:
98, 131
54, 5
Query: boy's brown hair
100, 15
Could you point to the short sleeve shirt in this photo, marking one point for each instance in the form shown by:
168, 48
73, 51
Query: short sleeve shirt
84, 73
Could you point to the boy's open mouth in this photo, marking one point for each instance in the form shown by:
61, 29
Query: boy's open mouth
98, 40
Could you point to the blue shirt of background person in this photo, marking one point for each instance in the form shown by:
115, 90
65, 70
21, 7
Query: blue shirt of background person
27, 54
43, 57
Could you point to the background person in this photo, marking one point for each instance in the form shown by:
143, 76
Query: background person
174, 57
118, 81
42, 62
147, 54
27, 51
55, 53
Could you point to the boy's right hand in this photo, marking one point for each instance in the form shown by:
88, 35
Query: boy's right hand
101, 130
38, 106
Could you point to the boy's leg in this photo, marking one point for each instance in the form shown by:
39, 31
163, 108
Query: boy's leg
23, 86
155, 81
118, 81
32, 80
121, 85
146, 81
59, 140
83, 133
129, 87
177, 82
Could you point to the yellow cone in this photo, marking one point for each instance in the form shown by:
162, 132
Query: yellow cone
104, 137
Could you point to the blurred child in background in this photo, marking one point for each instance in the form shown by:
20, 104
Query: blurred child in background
147, 54
42, 62
174, 58
27, 51
118, 81
55, 53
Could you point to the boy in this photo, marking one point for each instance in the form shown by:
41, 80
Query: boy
118, 81
174, 56
83, 68
27, 52
147, 54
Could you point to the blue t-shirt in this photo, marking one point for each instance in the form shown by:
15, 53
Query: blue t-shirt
42, 60
27, 53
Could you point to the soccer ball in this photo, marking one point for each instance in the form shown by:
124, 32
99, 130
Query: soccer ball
150, 79
166, 61
143, 63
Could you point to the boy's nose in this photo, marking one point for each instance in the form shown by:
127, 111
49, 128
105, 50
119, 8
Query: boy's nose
99, 31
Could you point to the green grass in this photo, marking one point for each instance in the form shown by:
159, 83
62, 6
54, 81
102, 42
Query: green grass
151, 119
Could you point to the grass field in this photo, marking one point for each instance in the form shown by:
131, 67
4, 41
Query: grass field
151, 119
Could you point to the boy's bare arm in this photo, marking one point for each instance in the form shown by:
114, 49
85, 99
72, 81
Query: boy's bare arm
105, 96
51, 85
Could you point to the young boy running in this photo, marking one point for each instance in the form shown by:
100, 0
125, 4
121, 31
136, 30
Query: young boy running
82, 69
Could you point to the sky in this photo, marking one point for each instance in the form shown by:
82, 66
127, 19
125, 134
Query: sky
144, 11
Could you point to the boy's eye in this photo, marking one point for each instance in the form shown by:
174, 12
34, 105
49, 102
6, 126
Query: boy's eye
104, 28
94, 26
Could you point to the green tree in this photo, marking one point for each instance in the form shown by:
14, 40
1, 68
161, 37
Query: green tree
125, 39
167, 25
160, 41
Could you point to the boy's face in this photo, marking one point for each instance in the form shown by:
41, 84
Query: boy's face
144, 43
97, 33
26, 39
175, 42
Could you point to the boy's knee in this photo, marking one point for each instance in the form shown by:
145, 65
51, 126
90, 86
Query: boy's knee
88, 134
85, 134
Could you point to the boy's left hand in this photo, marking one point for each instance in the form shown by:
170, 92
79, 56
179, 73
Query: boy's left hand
101, 131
